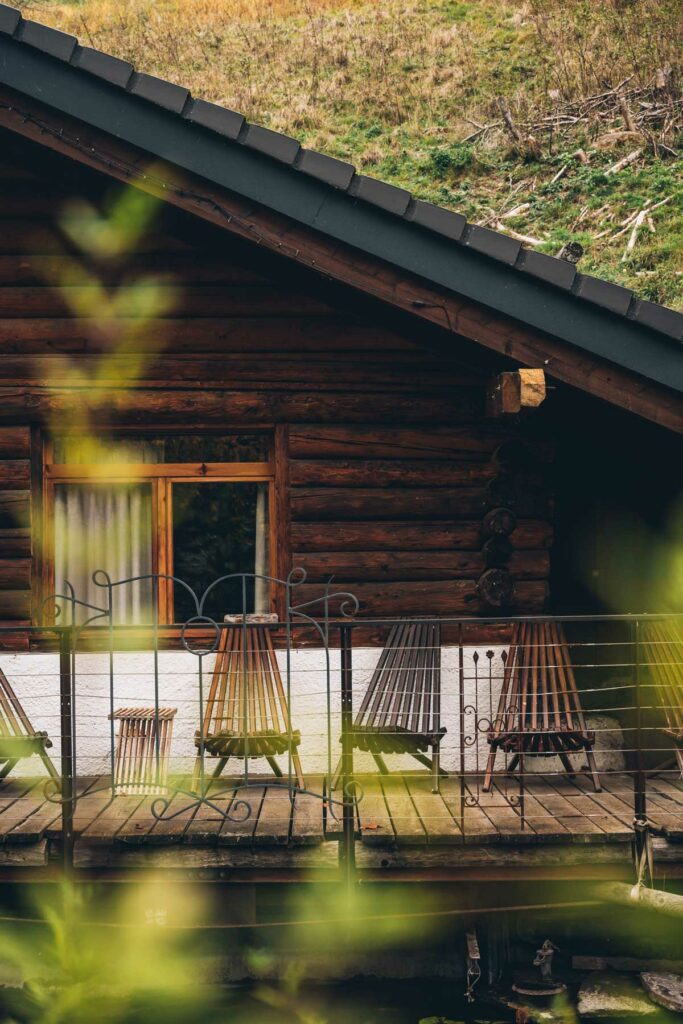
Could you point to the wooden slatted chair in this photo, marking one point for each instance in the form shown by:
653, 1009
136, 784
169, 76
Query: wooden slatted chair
401, 710
135, 769
663, 649
539, 711
246, 712
18, 738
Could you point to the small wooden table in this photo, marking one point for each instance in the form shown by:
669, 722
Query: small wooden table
143, 732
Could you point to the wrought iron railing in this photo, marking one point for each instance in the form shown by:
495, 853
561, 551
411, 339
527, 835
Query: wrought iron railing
538, 726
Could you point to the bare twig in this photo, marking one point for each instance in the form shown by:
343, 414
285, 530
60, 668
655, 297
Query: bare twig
634, 235
507, 118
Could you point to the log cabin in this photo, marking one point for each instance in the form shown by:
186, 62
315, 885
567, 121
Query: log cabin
225, 353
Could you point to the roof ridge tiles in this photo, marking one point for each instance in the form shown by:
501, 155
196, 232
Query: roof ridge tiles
339, 174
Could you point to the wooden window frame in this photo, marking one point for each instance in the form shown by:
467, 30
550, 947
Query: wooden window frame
162, 477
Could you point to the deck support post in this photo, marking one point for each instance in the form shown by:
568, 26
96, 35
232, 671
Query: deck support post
67, 744
639, 788
347, 849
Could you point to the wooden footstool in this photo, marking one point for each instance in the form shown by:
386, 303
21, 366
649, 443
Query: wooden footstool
136, 749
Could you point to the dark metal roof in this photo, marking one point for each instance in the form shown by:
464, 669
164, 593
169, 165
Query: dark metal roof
484, 265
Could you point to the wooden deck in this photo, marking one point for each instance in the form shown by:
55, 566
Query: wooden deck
400, 822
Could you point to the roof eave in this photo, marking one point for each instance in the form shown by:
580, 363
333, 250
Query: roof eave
406, 241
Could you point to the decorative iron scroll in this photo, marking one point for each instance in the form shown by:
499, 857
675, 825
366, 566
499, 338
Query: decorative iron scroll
314, 613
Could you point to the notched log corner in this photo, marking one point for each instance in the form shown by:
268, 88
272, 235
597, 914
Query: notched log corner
513, 391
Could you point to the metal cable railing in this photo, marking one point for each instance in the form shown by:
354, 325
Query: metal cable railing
569, 728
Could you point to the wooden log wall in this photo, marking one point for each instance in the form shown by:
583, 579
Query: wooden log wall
396, 514
387, 457
15, 523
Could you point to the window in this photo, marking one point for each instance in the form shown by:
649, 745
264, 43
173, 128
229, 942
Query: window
196, 508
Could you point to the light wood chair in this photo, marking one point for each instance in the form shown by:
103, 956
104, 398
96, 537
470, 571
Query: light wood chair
18, 738
135, 769
246, 713
401, 710
539, 711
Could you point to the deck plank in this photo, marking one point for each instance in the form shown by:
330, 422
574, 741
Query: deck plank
176, 819
505, 815
207, 822
374, 821
138, 826
307, 820
240, 828
18, 800
274, 820
47, 814
568, 817
88, 806
437, 820
618, 807
665, 802
547, 826
405, 820
104, 827
611, 828
478, 827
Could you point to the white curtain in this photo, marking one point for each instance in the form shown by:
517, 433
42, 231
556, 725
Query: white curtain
261, 556
105, 527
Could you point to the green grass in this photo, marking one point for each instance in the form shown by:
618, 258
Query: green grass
397, 86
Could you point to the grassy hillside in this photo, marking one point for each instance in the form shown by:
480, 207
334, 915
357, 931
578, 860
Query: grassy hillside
409, 91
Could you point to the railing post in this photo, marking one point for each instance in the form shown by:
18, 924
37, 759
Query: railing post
639, 789
461, 700
67, 744
347, 848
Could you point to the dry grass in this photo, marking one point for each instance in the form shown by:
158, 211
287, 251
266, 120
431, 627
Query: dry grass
395, 86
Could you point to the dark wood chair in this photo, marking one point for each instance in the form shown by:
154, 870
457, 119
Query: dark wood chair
539, 711
246, 711
18, 738
663, 650
401, 710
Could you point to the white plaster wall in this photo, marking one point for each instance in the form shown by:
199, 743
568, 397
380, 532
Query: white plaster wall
36, 682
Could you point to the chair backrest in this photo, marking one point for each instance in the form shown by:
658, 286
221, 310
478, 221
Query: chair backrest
663, 650
13, 719
539, 692
246, 694
405, 688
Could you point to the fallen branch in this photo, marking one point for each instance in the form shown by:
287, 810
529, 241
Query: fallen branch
627, 115
560, 173
626, 224
634, 235
481, 130
624, 162
507, 118
526, 239
515, 211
